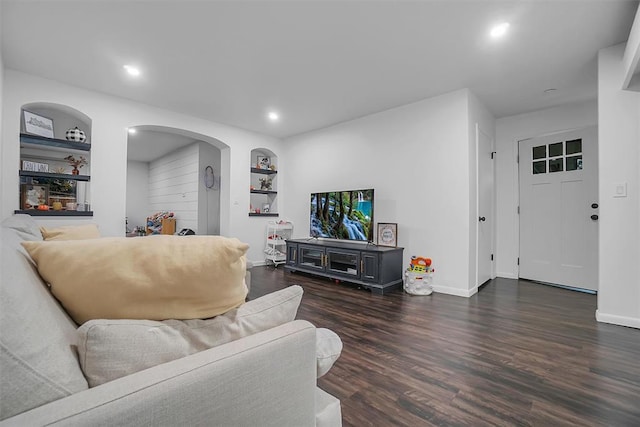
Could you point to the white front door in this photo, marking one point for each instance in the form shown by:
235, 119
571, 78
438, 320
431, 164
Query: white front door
559, 208
484, 211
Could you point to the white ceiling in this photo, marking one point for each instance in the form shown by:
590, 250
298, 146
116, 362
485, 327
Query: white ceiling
316, 62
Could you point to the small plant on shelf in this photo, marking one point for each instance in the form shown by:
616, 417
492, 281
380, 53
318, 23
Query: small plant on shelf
76, 163
265, 183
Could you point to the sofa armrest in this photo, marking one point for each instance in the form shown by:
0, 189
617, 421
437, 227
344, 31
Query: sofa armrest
266, 379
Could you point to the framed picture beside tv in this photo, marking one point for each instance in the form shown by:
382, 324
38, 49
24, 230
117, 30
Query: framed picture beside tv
387, 234
342, 215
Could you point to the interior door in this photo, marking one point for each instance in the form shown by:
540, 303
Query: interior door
484, 239
559, 209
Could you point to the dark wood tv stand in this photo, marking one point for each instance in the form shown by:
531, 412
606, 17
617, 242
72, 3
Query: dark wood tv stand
377, 268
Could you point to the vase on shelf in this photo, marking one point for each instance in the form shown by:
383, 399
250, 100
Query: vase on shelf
75, 171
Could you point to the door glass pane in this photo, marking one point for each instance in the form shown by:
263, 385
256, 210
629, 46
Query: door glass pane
574, 146
539, 152
555, 165
574, 163
539, 167
343, 262
555, 150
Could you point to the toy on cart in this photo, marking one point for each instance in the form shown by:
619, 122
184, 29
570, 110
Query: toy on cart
418, 278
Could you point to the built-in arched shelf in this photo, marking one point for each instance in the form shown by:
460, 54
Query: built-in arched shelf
263, 183
50, 183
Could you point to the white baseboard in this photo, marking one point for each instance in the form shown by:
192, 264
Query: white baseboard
631, 322
258, 263
506, 275
455, 291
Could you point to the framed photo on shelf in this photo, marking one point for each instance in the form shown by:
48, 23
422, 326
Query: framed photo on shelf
32, 195
38, 125
387, 234
263, 162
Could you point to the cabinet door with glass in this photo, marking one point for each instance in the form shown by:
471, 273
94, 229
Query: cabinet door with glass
343, 262
311, 257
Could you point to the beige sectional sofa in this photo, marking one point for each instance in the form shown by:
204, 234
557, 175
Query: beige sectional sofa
267, 378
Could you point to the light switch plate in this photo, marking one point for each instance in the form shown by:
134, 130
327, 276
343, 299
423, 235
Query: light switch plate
620, 189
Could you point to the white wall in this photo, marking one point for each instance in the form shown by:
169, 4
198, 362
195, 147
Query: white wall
173, 185
208, 198
619, 156
509, 130
111, 116
1, 115
137, 193
417, 159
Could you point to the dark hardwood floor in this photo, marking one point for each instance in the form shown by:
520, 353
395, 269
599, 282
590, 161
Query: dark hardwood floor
515, 354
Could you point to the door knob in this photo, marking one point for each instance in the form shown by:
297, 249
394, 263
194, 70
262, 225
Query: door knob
482, 218
594, 206
594, 217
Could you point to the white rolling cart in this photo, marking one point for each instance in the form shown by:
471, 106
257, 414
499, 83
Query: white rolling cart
275, 247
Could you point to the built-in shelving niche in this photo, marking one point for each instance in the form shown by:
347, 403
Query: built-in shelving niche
263, 183
48, 178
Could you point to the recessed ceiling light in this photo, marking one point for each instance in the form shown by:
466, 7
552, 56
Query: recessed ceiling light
273, 116
499, 30
132, 131
133, 71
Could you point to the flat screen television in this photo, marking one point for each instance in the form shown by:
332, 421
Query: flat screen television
342, 215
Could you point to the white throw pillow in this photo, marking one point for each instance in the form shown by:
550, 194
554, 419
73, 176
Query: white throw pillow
110, 349
328, 349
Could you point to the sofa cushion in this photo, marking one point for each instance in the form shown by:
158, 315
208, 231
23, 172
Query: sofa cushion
38, 362
109, 349
328, 349
24, 225
156, 277
71, 232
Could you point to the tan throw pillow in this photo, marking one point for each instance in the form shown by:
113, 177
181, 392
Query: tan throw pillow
156, 277
110, 349
71, 232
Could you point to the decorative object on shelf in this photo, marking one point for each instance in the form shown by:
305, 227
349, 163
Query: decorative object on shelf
37, 125
71, 206
272, 167
60, 170
57, 205
265, 183
76, 163
34, 166
265, 207
418, 278
388, 234
75, 135
33, 196
263, 162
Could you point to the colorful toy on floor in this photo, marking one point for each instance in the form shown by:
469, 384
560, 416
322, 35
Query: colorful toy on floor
418, 278
154, 222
